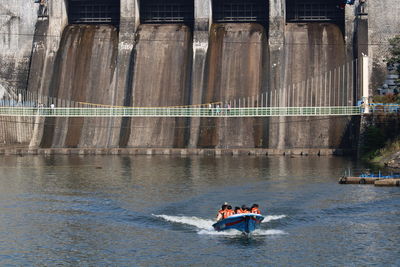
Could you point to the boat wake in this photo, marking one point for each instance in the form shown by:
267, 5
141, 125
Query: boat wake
204, 226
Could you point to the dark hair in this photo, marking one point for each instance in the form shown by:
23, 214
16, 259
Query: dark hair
244, 207
254, 206
223, 207
247, 208
229, 207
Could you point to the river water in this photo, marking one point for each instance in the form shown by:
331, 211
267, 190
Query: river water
158, 211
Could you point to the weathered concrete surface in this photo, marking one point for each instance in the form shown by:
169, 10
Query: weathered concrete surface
17, 25
84, 71
310, 49
45, 46
161, 77
173, 151
383, 24
129, 21
200, 49
132, 87
235, 69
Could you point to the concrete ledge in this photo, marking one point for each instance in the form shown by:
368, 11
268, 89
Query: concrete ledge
260, 152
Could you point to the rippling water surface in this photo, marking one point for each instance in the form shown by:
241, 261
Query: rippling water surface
158, 211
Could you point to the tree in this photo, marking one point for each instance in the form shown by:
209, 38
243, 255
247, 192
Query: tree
394, 50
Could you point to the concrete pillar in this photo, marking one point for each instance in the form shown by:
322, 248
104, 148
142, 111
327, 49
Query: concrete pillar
276, 40
275, 134
58, 17
349, 30
45, 52
129, 22
202, 11
365, 82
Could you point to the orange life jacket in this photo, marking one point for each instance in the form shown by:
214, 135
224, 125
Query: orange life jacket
229, 213
245, 211
222, 212
255, 210
239, 211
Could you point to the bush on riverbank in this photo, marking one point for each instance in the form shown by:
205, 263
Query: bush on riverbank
389, 149
374, 140
388, 155
387, 99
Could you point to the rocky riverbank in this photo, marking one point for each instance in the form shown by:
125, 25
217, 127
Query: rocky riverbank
389, 156
394, 161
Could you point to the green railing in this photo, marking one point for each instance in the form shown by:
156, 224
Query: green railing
181, 112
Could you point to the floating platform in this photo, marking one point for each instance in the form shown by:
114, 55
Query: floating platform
358, 180
388, 182
377, 181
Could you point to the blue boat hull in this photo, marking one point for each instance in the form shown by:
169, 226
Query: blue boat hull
246, 223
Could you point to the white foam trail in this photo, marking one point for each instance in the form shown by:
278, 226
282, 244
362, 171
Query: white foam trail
194, 221
205, 226
273, 218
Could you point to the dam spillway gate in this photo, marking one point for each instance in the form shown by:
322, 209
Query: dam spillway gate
94, 11
225, 11
314, 11
166, 11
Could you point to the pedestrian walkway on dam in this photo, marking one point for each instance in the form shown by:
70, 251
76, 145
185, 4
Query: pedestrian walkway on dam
181, 111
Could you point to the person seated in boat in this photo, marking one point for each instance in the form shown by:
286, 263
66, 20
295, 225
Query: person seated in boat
221, 212
254, 209
238, 210
229, 211
245, 209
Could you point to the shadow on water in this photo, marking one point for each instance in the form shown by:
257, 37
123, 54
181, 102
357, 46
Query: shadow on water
244, 240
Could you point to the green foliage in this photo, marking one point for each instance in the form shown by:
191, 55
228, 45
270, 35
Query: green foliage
394, 51
388, 98
374, 140
388, 150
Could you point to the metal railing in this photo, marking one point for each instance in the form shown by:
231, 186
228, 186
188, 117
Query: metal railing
181, 111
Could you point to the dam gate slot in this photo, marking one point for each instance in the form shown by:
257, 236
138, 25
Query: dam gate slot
240, 11
330, 11
94, 11
167, 11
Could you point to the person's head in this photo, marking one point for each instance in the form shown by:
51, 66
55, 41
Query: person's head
244, 207
229, 207
223, 207
255, 206
237, 208
248, 209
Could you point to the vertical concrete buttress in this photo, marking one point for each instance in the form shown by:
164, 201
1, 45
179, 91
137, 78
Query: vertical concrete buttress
276, 134
129, 21
45, 47
202, 11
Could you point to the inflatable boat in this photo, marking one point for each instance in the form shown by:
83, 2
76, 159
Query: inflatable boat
246, 223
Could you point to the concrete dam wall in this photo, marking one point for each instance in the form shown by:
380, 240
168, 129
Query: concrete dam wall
159, 74
160, 77
311, 49
236, 68
84, 71
199, 56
